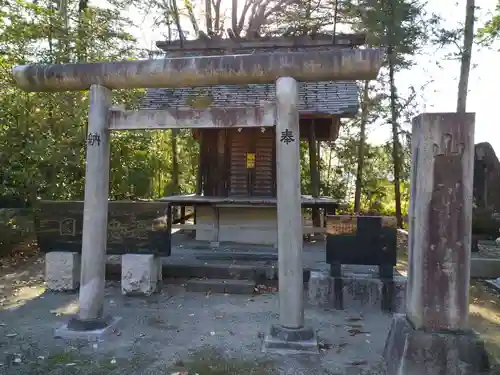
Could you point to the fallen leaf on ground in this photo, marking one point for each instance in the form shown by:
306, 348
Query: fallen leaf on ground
354, 332
352, 319
358, 363
324, 346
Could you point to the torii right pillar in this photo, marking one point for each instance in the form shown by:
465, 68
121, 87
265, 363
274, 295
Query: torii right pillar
434, 338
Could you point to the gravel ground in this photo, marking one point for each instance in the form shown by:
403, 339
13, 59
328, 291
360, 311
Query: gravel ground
173, 331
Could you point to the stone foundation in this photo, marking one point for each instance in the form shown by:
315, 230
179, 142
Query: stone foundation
357, 291
62, 271
247, 224
141, 274
416, 352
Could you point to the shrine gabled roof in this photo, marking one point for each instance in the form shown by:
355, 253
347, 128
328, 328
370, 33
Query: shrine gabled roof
332, 98
327, 98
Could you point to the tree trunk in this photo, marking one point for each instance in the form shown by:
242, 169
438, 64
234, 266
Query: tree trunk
395, 148
313, 167
175, 163
394, 118
361, 148
208, 16
466, 57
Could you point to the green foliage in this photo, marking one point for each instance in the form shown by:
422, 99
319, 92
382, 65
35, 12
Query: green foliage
490, 32
43, 134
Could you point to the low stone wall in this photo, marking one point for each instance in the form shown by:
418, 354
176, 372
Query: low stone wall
480, 267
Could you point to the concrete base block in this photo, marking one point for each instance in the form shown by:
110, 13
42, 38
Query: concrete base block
360, 292
62, 271
283, 340
92, 332
141, 274
320, 289
415, 352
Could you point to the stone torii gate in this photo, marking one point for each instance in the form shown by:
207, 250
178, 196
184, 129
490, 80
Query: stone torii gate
284, 68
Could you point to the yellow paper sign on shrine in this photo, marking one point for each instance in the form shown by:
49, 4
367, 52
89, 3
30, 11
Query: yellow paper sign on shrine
250, 160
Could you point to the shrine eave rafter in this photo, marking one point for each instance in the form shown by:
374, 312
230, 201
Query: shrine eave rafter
302, 42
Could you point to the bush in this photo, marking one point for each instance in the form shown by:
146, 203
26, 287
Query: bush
15, 225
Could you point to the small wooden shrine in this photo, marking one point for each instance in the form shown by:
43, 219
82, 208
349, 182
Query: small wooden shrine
236, 184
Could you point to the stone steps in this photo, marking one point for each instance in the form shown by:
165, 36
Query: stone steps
223, 286
256, 273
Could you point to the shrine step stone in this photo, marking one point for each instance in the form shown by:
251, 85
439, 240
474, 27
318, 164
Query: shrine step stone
224, 286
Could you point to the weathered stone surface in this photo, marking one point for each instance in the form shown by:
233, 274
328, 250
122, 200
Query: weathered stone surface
320, 289
362, 293
190, 118
282, 340
336, 64
417, 352
357, 291
141, 274
62, 271
440, 220
132, 227
486, 177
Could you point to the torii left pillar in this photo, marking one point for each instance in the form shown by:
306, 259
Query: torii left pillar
91, 320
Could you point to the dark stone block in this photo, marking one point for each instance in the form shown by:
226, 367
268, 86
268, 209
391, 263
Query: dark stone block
416, 352
371, 244
133, 227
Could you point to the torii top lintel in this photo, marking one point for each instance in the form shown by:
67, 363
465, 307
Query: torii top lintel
332, 65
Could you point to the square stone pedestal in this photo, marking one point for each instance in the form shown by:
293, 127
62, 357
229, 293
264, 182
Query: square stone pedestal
92, 330
141, 274
417, 352
283, 340
360, 292
62, 271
